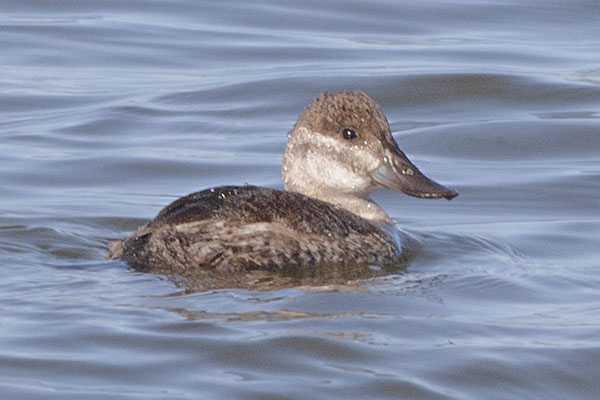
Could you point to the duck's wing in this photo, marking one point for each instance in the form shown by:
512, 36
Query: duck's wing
252, 204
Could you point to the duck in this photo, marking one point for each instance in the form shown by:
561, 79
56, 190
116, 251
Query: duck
340, 150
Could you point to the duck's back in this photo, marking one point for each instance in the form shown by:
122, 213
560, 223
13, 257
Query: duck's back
242, 228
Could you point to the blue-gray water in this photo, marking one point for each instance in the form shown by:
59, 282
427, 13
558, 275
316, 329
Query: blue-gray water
109, 110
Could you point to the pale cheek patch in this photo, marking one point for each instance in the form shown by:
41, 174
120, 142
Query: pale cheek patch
348, 173
333, 175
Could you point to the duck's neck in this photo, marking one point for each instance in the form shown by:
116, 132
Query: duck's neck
365, 208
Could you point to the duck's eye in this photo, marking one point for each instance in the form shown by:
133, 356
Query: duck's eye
349, 133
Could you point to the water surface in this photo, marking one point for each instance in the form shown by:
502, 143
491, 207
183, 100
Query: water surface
110, 110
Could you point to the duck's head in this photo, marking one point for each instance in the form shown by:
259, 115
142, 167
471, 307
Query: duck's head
341, 149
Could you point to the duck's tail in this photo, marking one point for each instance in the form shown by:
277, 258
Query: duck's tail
115, 250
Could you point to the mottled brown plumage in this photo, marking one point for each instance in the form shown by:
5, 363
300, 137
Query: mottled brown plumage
237, 228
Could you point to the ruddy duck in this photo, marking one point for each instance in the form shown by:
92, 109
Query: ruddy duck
340, 150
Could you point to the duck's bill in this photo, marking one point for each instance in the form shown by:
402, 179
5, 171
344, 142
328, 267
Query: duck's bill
398, 173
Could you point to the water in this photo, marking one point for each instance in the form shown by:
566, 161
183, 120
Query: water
109, 110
